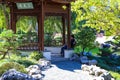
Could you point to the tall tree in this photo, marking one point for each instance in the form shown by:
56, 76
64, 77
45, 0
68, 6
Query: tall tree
99, 14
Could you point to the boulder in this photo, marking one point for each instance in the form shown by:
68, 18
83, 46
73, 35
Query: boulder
87, 54
35, 71
106, 76
45, 64
98, 78
12, 74
37, 76
85, 67
99, 73
74, 57
84, 60
92, 62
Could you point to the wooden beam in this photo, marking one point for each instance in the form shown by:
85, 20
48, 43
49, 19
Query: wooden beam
14, 23
26, 14
26, 11
11, 16
41, 28
63, 1
39, 32
56, 1
54, 8
68, 26
63, 29
55, 14
13, 19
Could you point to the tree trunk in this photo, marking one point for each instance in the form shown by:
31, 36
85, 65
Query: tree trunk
4, 55
83, 51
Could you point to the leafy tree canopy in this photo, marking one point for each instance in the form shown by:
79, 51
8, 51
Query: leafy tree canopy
99, 14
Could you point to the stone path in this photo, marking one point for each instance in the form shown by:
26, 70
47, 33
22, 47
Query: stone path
65, 70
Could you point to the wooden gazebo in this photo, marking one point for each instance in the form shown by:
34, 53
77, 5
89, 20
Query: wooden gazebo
40, 9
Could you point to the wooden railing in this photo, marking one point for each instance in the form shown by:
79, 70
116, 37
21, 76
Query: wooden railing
29, 46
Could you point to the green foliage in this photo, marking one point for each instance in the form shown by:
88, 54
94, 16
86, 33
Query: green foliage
105, 52
85, 38
116, 40
48, 39
26, 24
115, 75
52, 25
36, 55
28, 37
8, 42
11, 65
4, 16
107, 63
25, 62
99, 14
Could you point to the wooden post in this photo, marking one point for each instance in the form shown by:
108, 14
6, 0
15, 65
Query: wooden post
11, 16
39, 32
63, 30
68, 25
42, 26
14, 23
40, 19
13, 19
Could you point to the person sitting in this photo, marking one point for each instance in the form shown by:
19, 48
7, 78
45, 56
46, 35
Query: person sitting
72, 44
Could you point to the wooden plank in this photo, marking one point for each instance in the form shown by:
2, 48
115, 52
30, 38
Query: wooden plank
54, 8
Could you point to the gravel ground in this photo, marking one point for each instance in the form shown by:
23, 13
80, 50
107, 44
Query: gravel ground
66, 70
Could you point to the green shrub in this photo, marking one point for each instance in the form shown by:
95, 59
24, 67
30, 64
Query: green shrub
26, 63
36, 55
11, 65
105, 52
85, 38
115, 75
9, 43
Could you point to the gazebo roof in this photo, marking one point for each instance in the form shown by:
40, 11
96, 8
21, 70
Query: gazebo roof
56, 1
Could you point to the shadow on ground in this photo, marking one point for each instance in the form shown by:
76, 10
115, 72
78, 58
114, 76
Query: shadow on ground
68, 65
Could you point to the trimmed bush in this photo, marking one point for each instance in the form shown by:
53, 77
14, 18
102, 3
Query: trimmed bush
11, 65
26, 63
36, 55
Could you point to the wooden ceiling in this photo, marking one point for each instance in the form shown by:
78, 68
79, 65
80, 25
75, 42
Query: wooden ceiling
56, 1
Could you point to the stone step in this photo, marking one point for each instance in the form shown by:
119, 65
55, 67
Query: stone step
55, 57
